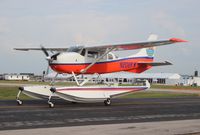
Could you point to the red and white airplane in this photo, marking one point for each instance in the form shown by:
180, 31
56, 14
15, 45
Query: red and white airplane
97, 60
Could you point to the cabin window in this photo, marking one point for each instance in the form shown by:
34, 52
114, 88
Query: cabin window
110, 56
92, 54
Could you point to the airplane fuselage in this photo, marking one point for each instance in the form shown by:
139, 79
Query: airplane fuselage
74, 62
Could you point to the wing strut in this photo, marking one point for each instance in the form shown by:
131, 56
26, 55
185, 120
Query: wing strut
83, 82
96, 60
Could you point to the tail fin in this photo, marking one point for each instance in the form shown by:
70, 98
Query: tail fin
147, 52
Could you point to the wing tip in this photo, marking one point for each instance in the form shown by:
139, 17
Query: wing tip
18, 49
177, 40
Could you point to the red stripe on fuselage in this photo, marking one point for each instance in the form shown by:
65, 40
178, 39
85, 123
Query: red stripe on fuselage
129, 64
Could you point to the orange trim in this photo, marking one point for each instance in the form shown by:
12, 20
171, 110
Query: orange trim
177, 40
129, 65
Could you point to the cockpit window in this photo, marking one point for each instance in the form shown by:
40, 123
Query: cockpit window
83, 52
75, 49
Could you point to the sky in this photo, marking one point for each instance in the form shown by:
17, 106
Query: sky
64, 23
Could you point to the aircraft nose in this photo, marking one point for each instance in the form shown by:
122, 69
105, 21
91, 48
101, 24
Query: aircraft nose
54, 57
48, 58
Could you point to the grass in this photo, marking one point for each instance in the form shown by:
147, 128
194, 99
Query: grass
152, 94
175, 87
10, 93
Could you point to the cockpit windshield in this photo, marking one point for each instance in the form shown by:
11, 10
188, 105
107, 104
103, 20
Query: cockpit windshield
75, 49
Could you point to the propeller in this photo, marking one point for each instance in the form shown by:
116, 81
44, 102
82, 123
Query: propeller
54, 57
44, 51
48, 58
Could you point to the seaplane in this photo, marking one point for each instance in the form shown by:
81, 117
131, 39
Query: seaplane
95, 60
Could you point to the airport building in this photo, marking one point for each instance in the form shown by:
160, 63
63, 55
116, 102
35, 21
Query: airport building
16, 77
125, 78
191, 80
153, 78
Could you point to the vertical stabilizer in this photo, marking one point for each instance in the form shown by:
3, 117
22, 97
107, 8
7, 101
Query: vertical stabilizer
147, 52
153, 37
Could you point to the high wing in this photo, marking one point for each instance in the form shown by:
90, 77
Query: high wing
116, 47
40, 49
133, 46
156, 63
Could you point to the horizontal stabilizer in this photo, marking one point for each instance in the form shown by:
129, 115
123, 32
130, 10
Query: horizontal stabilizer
156, 63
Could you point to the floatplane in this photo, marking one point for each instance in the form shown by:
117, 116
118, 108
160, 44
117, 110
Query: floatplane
95, 60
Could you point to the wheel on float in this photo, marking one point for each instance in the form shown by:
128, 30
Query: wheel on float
107, 102
51, 105
19, 102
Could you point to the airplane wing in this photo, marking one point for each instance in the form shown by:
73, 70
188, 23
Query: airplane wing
133, 46
116, 47
156, 63
40, 49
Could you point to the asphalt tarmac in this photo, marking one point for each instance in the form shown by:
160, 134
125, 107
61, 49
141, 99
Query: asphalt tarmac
37, 114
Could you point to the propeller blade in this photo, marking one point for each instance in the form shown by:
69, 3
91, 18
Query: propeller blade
45, 51
47, 71
54, 57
